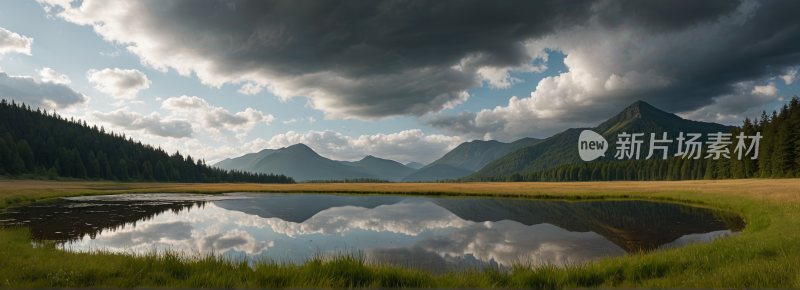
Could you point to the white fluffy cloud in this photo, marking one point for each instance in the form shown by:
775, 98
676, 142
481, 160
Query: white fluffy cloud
295, 120
13, 42
119, 83
186, 116
152, 124
215, 120
235, 239
180, 235
49, 75
790, 76
251, 89
49, 95
406, 146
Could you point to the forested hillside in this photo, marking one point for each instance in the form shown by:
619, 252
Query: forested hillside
778, 157
35, 143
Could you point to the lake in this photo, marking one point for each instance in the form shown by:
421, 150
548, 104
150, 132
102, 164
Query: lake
436, 233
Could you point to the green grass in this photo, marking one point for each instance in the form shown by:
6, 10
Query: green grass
766, 254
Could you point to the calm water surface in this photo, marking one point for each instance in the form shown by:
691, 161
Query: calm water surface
431, 232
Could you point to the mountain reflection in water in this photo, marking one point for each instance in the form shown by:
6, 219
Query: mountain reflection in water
430, 232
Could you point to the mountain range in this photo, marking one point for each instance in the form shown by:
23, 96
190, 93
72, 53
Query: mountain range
475, 158
466, 159
415, 165
298, 161
382, 168
561, 149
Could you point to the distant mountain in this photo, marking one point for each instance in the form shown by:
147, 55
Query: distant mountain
415, 165
561, 149
244, 161
383, 168
297, 161
468, 157
437, 172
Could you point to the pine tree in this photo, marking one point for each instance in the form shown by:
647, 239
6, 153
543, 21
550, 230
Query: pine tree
109, 173
147, 170
176, 175
50, 151
123, 170
57, 166
26, 154
5, 157
161, 172
52, 174
17, 166
711, 170
80, 170
93, 167
102, 161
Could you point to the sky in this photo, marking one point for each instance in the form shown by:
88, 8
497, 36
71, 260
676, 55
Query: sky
402, 80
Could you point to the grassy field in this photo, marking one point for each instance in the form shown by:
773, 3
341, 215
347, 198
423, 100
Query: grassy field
766, 254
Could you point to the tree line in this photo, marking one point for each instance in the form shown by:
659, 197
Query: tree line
348, 180
778, 157
38, 144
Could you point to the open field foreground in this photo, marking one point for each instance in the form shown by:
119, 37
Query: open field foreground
766, 254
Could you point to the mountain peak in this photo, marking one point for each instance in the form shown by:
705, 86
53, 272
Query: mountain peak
635, 110
641, 110
370, 157
299, 147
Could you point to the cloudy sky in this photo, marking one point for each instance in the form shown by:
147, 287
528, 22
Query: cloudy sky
404, 80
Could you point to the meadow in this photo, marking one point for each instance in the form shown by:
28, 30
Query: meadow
765, 254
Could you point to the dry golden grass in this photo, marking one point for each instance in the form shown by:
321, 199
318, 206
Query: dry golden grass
776, 190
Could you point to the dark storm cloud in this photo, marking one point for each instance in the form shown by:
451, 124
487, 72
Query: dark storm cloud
353, 59
664, 16
362, 38
361, 59
708, 67
377, 59
764, 46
